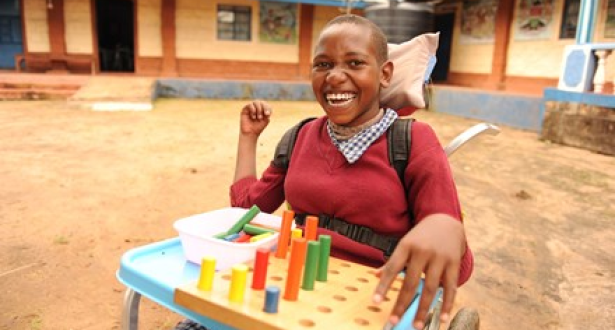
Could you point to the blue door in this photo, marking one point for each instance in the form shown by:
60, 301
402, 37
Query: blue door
10, 33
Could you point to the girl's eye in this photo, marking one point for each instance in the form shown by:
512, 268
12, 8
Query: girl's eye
321, 65
356, 63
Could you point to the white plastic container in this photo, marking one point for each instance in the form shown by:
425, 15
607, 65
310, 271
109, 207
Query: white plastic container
196, 235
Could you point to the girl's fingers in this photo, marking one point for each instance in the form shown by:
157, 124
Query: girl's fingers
251, 110
378, 272
267, 110
449, 283
388, 273
408, 290
259, 109
430, 287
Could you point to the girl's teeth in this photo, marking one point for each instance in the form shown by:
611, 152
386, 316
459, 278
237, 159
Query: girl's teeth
339, 97
339, 103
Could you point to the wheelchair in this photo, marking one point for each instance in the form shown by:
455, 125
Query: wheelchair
466, 318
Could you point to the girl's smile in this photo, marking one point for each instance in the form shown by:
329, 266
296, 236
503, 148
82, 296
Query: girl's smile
347, 76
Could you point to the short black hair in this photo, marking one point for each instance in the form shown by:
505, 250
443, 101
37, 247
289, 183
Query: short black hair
378, 37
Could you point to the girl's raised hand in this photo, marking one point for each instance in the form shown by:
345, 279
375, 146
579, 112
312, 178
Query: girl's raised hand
255, 117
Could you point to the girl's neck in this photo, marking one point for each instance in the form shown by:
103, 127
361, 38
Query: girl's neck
346, 132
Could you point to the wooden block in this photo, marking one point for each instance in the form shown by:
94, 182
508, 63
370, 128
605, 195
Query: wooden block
342, 303
323, 259
208, 271
311, 265
295, 268
284, 238
261, 263
238, 283
311, 228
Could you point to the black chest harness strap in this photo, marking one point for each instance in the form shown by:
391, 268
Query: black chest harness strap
356, 233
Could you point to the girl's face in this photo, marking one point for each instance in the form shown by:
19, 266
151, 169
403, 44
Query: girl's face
346, 75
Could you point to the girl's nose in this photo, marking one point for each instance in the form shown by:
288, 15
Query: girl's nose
336, 76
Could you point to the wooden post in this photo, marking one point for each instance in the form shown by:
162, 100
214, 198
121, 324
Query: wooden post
169, 53
504, 15
57, 41
600, 75
305, 40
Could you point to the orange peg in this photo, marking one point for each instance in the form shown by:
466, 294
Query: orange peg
297, 259
311, 227
284, 237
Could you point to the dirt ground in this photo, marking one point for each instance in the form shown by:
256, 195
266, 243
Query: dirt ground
80, 188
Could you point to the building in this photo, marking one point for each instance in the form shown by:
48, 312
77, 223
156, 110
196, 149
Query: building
514, 45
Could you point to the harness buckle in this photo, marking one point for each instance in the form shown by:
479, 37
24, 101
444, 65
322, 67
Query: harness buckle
324, 221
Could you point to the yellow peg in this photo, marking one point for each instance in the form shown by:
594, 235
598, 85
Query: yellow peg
238, 283
260, 237
208, 269
295, 233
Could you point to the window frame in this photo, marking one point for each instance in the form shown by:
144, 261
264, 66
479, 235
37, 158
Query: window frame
240, 26
563, 29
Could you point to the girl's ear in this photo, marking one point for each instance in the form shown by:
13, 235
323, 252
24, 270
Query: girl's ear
386, 74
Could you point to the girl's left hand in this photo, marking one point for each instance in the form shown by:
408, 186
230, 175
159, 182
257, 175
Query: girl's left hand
435, 247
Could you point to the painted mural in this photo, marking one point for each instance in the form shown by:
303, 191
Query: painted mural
278, 22
609, 24
478, 21
534, 19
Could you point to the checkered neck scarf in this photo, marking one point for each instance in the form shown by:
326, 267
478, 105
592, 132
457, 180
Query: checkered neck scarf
354, 147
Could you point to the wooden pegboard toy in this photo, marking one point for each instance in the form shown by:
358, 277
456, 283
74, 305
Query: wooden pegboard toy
343, 302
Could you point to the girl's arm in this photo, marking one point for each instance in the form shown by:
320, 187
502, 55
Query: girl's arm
254, 119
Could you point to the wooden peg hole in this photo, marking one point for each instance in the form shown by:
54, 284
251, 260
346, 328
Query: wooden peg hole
393, 288
362, 322
343, 264
362, 280
324, 309
333, 271
226, 277
307, 323
339, 297
374, 309
276, 278
352, 288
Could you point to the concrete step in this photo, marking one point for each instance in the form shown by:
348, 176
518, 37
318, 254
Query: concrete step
37, 86
116, 94
35, 94
143, 105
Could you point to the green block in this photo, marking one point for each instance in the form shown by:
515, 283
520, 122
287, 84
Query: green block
221, 235
311, 265
246, 218
256, 230
323, 260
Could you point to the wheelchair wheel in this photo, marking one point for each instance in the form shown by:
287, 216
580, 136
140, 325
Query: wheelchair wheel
465, 319
432, 322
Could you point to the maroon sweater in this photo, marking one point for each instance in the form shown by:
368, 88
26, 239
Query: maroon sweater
368, 192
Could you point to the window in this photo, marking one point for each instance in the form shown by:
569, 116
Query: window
234, 22
10, 30
570, 18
